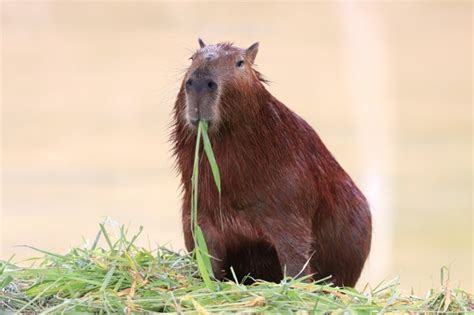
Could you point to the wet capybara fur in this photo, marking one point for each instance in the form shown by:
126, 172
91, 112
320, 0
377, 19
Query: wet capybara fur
287, 206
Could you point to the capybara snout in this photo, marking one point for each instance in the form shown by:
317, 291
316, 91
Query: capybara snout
201, 95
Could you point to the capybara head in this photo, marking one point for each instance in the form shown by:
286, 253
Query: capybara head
216, 71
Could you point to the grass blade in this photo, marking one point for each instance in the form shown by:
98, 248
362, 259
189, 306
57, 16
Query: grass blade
210, 155
203, 248
201, 251
107, 278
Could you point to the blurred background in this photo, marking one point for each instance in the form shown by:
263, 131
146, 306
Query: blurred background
87, 90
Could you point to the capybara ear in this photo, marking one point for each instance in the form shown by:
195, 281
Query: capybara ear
251, 52
201, 43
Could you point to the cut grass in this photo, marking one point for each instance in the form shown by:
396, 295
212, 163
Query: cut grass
113, 275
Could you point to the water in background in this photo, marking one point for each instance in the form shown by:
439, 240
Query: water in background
87, 92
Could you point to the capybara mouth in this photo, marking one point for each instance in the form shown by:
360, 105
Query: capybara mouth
195, 122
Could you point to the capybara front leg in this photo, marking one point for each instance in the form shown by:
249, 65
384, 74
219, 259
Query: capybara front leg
294, 252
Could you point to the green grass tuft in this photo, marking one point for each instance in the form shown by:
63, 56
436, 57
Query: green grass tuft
113, 275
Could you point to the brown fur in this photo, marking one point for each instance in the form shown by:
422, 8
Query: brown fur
285, 199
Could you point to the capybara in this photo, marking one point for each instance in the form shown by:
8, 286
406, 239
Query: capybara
287, 207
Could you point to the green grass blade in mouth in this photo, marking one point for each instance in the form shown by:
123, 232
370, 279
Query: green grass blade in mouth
213, 164
201, 251
195, 180
210, 155
201, 241
203, 259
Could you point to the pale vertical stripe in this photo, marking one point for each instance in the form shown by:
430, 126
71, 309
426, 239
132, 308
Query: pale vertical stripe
368, 84
1, 135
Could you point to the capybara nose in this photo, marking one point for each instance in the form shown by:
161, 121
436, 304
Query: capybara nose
211, 86
189, 83
201, 85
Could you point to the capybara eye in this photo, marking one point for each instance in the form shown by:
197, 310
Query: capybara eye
240, 63
189, 83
